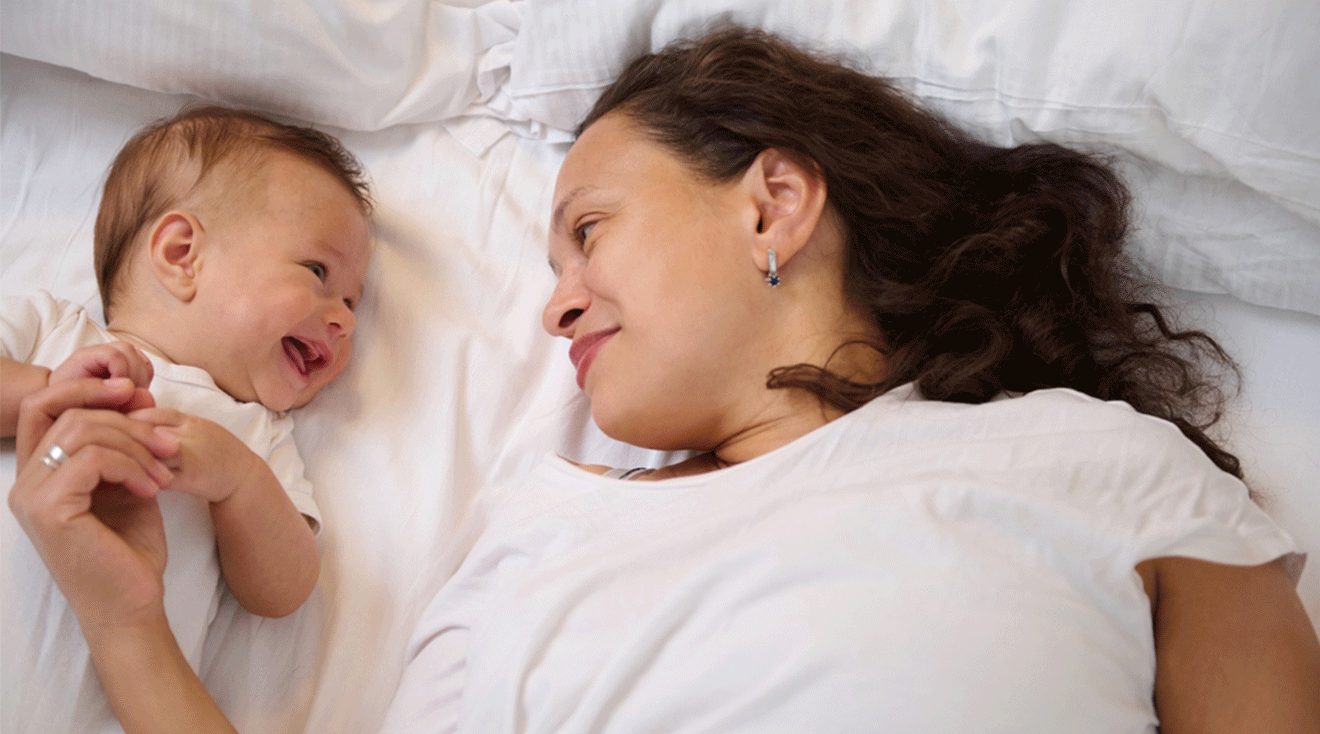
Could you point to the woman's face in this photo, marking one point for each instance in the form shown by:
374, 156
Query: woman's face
658, 290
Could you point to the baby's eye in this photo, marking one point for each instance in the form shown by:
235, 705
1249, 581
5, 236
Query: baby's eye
317, 269
352, 304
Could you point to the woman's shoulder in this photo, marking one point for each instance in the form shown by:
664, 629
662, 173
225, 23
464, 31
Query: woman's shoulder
1052, 446
1046, 415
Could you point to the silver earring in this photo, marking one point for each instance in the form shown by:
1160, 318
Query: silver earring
772, 275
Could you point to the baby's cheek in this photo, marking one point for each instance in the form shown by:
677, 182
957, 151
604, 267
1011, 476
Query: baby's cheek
342, 359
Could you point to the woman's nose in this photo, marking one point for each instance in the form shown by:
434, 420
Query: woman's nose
566, 304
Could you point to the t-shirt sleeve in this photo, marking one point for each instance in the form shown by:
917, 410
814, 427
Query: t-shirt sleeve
287, 465
23, 321
1190, 508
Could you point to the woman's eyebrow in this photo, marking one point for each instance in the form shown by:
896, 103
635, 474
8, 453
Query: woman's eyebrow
557, 220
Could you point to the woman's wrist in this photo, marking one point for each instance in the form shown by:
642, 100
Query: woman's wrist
144, 657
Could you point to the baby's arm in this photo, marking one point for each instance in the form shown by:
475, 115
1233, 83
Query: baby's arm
268, 552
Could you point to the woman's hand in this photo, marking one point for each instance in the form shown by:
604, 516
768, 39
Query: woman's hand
93, 516
117, 366
113, 359
99, 361
90, 509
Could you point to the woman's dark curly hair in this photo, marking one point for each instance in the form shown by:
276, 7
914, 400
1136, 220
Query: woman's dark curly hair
985, 269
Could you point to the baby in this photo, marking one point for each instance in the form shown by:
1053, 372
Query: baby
230, 251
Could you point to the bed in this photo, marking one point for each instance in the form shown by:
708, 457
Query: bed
461, 111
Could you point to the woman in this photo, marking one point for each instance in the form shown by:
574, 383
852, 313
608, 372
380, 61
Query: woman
909, 505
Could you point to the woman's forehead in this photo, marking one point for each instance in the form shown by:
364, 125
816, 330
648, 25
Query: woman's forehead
614, 151
595, 148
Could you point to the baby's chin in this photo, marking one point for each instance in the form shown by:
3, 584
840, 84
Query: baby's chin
282, 402
297, 401
305, 397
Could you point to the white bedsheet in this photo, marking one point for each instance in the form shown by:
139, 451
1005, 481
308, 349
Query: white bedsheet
454, 385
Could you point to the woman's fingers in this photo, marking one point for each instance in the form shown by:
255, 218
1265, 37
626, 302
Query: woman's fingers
40, 410
115, 359
43, 498
97, 527
78, 428
140, 399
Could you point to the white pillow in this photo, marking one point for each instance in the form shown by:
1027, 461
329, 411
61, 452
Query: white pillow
1212, 103
353, 64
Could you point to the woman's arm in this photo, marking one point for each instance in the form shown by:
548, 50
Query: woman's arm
149, 684
95, 522
17, 381
1235, 650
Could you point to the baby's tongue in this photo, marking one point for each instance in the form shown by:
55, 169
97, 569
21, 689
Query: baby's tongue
297, 352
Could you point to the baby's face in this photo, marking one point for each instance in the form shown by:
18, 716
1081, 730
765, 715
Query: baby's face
279, 291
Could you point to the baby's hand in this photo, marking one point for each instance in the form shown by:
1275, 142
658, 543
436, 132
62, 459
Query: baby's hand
210, 461
104, 361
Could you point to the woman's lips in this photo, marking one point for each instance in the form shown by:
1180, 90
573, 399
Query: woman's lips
583, 352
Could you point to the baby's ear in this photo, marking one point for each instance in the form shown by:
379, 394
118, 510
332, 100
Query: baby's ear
174, 248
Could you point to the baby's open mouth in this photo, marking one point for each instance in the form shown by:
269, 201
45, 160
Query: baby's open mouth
305, 357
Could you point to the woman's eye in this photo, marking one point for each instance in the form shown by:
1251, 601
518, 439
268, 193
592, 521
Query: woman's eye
580, 234
317, 269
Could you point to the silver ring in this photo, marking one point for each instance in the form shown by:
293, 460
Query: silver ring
54, 457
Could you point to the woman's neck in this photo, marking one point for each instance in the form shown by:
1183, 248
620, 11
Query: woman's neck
778, 428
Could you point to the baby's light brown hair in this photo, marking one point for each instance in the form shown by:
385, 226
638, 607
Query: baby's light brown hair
168, 160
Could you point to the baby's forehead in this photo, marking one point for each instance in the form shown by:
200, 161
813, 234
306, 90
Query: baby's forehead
249, 183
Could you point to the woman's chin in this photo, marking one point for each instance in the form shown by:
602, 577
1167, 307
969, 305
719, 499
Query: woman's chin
642, 428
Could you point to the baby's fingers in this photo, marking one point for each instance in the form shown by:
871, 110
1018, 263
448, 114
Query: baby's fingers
141, 398
159, 416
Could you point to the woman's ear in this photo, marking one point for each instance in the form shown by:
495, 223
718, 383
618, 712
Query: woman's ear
173, 250
790, 198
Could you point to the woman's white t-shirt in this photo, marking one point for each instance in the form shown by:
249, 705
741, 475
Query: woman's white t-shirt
914, 566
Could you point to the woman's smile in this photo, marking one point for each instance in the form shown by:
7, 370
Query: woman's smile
583, 352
